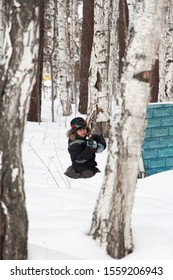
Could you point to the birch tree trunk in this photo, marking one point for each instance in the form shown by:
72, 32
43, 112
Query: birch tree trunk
17, 77
99, 105
51, 48
117, 44
111, 224
53, 59
64, 61
72, 47
166, 57
2, 31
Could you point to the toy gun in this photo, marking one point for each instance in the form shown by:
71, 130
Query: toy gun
91, 142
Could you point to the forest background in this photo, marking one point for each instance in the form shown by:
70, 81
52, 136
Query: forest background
110, 64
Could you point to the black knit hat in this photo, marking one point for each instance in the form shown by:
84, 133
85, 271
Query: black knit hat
78, 123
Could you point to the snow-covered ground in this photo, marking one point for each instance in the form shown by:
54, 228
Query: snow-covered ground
60, 209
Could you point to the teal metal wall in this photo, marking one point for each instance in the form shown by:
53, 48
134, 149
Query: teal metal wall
158, 142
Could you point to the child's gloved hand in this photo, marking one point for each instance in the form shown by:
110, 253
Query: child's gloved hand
91, 143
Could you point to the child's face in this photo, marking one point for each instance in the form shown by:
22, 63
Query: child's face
82, 132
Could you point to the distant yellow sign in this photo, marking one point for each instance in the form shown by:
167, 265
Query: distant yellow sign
46, 78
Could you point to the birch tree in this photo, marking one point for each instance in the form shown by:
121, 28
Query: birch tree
51, 48
166, 57
72, 19
99, 106
17, 72
64, 61
111, 224
2, 6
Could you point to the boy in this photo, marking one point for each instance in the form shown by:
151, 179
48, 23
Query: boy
82, 147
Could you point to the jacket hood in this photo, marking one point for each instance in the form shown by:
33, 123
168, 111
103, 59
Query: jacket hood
71, 135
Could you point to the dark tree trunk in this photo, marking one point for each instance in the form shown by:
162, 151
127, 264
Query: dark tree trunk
34, 114
155, 82
122, 32
86, 46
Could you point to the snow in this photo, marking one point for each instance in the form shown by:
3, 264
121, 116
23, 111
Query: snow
60, 209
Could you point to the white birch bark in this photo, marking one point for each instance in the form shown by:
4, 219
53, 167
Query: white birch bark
51, 48
2, 31
99, 96
113, 61
78, 26
64, 62
73, 36
54, 62
17, 77
166, 58
49, 19
111, 225
134, 6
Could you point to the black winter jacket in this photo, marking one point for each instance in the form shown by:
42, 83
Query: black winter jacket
82, 156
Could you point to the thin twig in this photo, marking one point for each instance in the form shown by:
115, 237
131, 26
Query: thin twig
44, 164
68, 186
61, 164
45, 133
